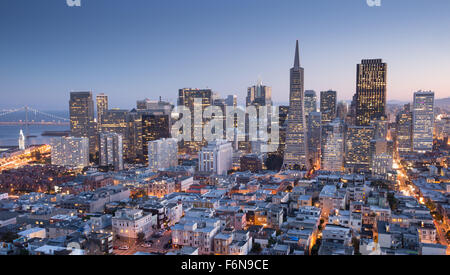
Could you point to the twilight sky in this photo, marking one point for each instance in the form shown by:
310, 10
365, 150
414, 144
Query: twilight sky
133, 49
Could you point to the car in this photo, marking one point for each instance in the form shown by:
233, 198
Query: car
124, 247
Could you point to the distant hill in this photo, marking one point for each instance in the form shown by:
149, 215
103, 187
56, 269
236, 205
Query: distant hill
443, 103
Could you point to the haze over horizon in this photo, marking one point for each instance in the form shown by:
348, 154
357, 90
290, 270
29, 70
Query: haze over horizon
153, 48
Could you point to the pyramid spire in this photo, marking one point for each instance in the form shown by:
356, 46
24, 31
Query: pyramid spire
297, 57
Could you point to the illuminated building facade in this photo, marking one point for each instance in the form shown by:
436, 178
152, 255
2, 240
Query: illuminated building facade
70, 152
295, 155
371, 78
310, 102
82, 122
216, 158
21, 140
314, 137
328, 101
423, 121
155, 126
102, 106
111, 150
404, 129
357, 148
187, 97
162, 154
332, 146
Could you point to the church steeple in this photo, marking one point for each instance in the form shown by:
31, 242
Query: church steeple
297, 57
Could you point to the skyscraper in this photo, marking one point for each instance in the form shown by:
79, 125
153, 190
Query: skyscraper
21, 140
82, 124
332, 146
102, 107
216, 158
295, 155
404, 129
357, 148
314, 138
70, 152
342, 110
187, 97
310, 102
423, 121
328, 106
258, 96
371, 78
111, 150
162, 154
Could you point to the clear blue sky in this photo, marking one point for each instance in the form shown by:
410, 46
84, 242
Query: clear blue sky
133, 49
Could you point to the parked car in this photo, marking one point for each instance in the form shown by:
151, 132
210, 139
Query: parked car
124, 247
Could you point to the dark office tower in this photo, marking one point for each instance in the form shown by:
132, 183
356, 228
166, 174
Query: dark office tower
187, 97
341, 110
231, 101
370, 91
135, 138
82, 124
357, 148
314, 125
155, 126
310, 102
295, 155
404, 129
102, 107
115, 121
328, 106
282, 115
350, 119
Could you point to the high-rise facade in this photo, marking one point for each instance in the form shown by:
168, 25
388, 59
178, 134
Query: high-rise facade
332, 147
102, 106
82, 123
423, 121
189, 98
21, 140
310, 102
111, 150
371, 79
216, 158
70, 152
404, 129
295, 155
328, 101
162, 154
314, 120
357, 148
155, 126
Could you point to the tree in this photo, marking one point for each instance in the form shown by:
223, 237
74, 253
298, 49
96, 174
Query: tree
141, 237
256, 248
274, 162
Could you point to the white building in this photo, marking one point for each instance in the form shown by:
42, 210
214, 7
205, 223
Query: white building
111, 150
162, 154
332, 147
423, 121
21, 140
382, 164
70, 152
128, 223
197, 233
216, 157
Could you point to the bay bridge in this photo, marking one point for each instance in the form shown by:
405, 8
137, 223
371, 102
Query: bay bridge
29, 116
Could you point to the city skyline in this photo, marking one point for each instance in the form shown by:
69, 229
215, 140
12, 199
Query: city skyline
46, 57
